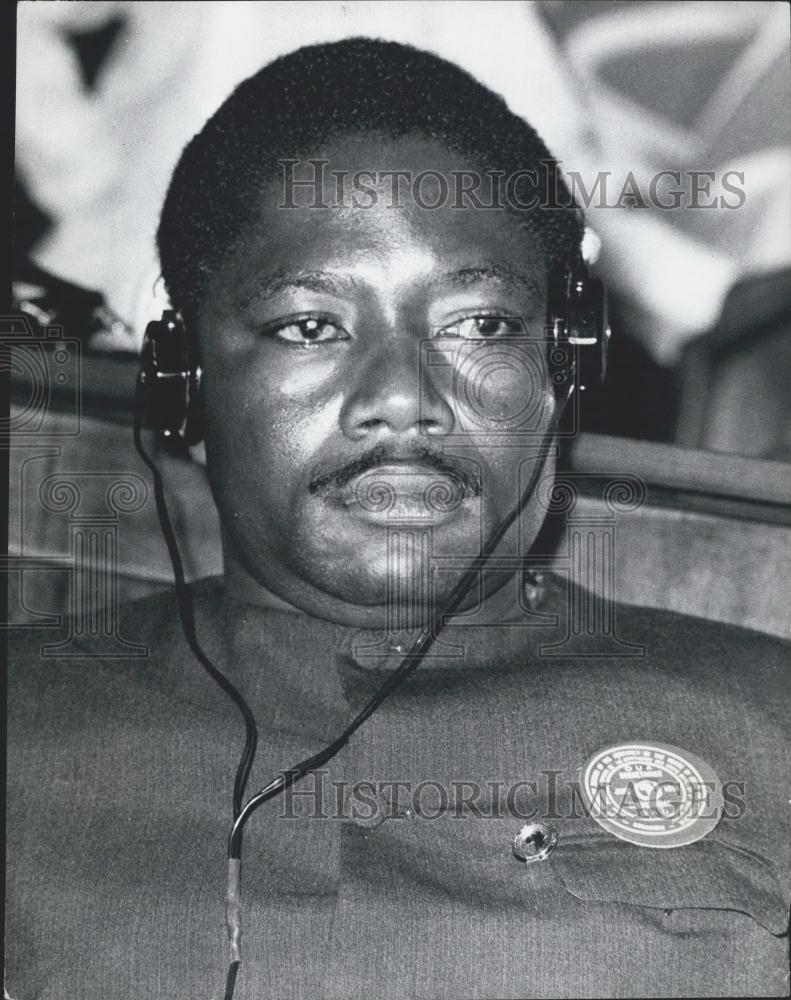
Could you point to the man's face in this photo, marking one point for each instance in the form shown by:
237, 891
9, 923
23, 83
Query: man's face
375, 385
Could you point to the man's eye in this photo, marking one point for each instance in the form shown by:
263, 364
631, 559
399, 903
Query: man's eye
310, 331
484, 327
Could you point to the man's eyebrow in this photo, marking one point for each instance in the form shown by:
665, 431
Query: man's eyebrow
280, 281
333, 283
466, 276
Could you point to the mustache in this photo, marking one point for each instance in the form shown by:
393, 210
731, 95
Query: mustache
465, 474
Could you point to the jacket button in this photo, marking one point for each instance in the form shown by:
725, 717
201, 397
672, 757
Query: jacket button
534, 842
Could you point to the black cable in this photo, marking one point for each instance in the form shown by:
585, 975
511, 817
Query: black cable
230, 981
187, 614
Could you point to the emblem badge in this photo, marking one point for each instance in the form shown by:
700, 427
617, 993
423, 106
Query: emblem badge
652, 794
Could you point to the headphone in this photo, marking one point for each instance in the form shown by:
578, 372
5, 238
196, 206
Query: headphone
169, 379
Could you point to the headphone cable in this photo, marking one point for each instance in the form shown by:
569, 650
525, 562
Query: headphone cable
187, 613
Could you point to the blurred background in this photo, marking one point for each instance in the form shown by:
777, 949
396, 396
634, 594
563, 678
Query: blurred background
698, 400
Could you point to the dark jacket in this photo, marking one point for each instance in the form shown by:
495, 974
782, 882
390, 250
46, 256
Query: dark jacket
392, 874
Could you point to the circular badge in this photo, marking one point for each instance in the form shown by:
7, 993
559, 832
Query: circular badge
652, 794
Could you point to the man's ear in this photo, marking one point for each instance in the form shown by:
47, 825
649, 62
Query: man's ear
198, 453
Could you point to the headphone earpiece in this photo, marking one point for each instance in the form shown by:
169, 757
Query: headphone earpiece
169, 380
578, 326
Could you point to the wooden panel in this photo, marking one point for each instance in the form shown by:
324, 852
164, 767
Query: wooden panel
725, 569
686, 470
101, 457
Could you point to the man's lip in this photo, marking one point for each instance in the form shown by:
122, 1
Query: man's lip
403, 478
403, 488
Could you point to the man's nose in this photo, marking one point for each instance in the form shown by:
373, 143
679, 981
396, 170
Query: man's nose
393, 394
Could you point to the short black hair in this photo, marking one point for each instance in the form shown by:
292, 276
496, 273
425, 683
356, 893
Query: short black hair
296, 103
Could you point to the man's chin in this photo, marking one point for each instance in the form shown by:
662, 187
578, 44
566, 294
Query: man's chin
382, 539
369, 591
408, 585
373, 559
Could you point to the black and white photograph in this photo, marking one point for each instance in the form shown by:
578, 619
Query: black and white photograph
398, 450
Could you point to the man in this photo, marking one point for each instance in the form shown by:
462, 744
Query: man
377, 393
